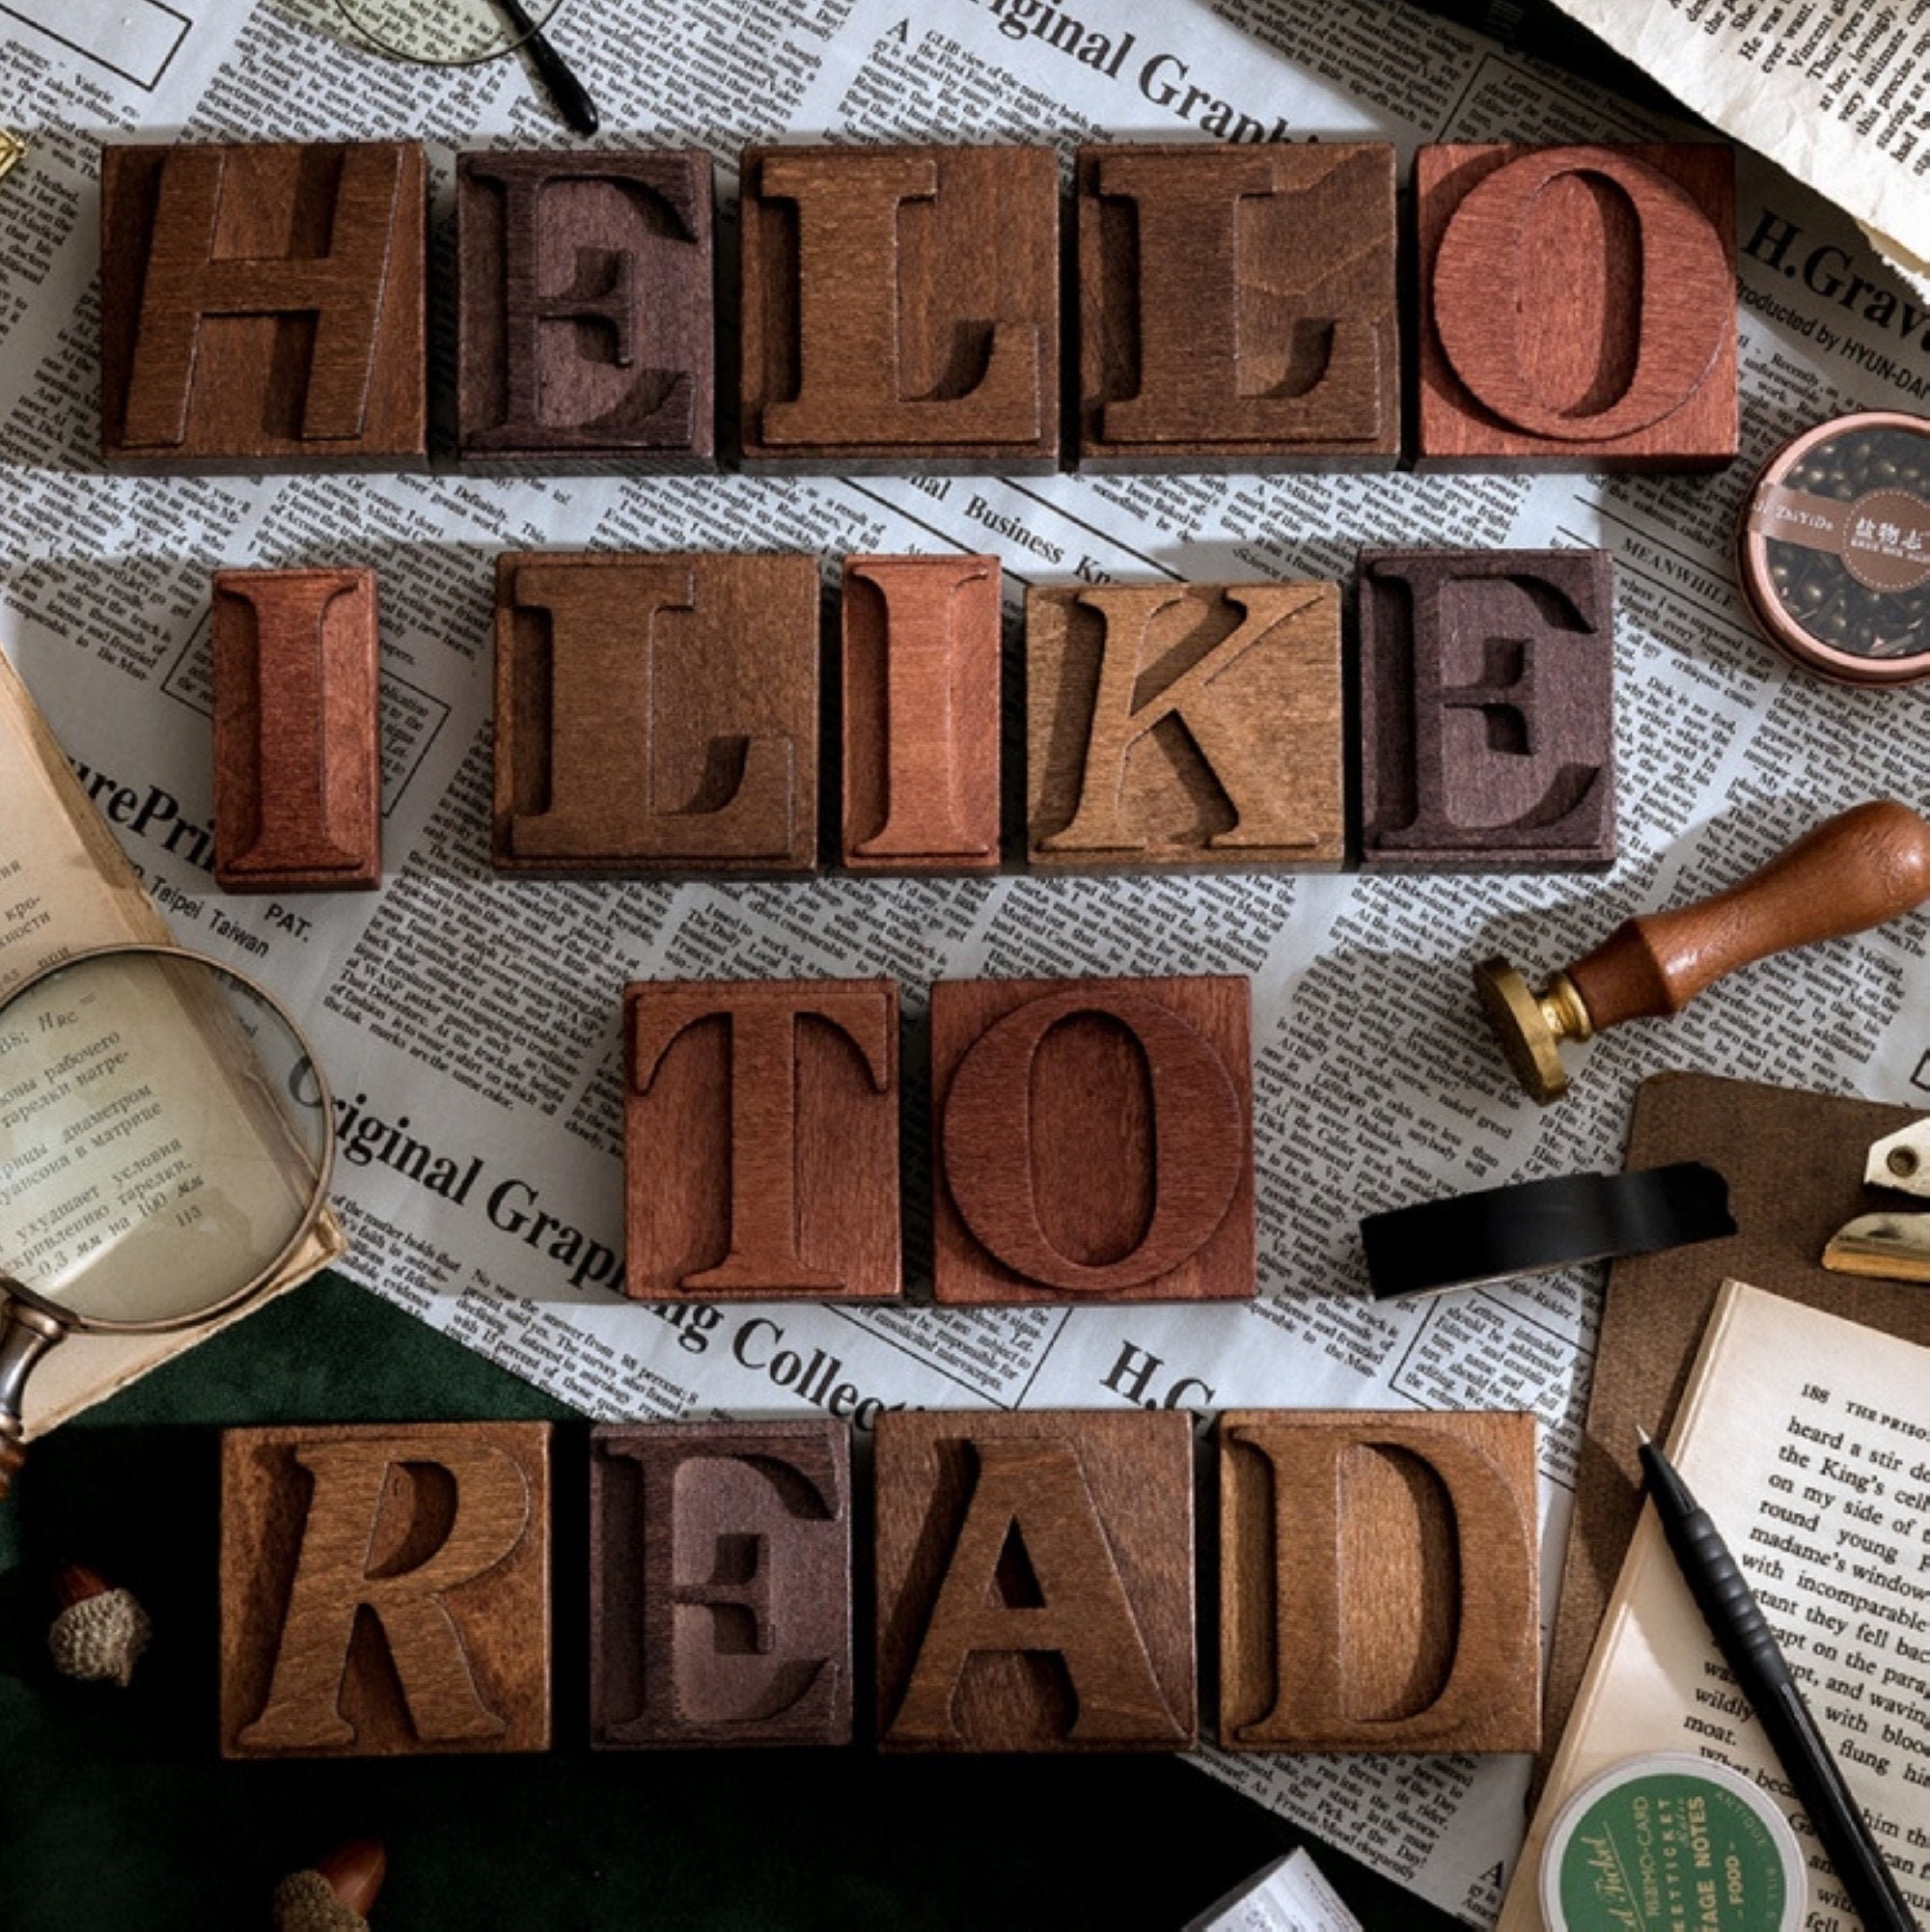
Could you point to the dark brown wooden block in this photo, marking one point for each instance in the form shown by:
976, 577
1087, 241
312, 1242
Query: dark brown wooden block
262, 307
656, 713
587, 312
1379, 1582
760, 1134
1487, 710
1192, 726
385, 1590
1035, 1580
920, 714
900, 308
720, 1584
297, 731
1092, 1139
1236, 307
1578, 307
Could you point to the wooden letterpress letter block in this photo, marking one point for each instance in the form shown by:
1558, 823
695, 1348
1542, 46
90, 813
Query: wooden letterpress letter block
720, 1592
1035, 1580
297, 731
1236, 307
1092, 1139
1487, 710
385, 1590
1378, 1581
761, 1136
900, 308
1578, 307
656, 714
921, 714
264, 307
587, 324
1191, 726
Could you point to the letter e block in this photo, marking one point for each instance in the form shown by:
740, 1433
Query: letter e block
385, 1590
1378, 1581
1035, 1580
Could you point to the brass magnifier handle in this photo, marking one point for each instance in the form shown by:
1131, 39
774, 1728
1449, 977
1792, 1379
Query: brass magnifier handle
28, 1329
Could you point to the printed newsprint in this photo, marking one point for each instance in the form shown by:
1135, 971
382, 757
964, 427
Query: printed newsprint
470, 1023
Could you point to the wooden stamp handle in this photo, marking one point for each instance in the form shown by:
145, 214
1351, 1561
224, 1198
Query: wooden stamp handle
1853, 871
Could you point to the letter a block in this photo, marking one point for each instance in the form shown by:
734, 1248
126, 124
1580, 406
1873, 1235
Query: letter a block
720, 1592
262, 307
760, 1140
586, 324
1035, 1580
1092, 1140
1487, 710
385, 1590
1578, 307
900, 308
1185, 725
1378, 1581
657, 714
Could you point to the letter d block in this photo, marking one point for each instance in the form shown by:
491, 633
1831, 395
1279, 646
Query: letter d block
1378, 1581
385, 1590
1092, 1140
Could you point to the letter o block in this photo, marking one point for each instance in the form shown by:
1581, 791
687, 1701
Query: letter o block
1092, 1140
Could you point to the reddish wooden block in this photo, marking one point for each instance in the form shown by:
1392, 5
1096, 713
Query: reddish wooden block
761, 1132
297, 731
900, 308
1379, 1582
1236, 307
1192, 726
262, 307
1035, 1580
587, 313
920, 714
720, 1584
385, 1590
1092, 1139
1487, 710
1578, 307
656, 714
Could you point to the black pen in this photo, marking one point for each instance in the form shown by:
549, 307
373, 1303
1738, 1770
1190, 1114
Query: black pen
1750, 1648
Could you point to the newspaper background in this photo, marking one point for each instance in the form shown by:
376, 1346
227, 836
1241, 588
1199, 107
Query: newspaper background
479, 1015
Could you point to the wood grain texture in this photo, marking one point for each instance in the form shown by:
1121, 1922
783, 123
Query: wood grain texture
264, 307
385, 1590
587, 313
1378, 1581
720, 1584
656, 714
900, 308
1487, 710
1236, 307
298, 730
1578, 307
760, 1140
921, 673
1035, 1582
1192, 726
1092, 1140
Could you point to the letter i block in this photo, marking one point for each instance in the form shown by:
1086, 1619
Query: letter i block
1092, 1140
720, 1592
760, 1140
1035, 1580
1379, 1582
385, 1590
1578, 307
1487, 710
1193, 727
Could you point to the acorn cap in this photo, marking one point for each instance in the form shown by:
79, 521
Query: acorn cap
100, 1632
333, 1895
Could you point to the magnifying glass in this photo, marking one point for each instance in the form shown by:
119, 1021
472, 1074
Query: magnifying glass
166, 1139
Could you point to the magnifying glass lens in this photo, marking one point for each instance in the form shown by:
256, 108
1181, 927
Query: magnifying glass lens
448, 33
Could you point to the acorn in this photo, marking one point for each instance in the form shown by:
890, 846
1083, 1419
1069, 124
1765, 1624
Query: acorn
334, 1894
100, 1632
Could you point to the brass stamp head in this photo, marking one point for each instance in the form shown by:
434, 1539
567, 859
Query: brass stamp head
1530, 1026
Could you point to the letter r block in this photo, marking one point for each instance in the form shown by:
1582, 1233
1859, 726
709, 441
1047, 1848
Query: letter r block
1092, 1140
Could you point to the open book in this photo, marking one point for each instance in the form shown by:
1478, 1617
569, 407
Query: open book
1806, 1437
